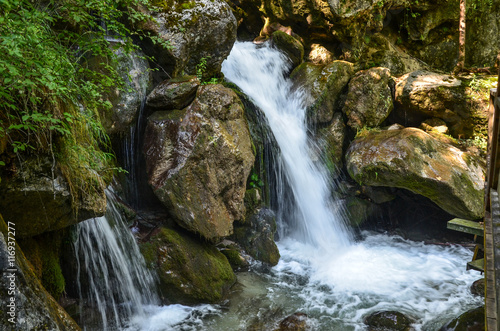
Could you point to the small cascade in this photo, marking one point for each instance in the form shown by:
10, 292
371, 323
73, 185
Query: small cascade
113, 280
314, 219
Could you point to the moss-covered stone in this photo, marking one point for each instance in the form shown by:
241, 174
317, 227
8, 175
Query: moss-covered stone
190, 271
369, 99
289, 45
175, 93
471, 320
35, 308
198, 161
388, 321
331, 142
412, 159
256, 236
323, 85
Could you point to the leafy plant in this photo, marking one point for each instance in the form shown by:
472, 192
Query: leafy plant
255, 181
201, 68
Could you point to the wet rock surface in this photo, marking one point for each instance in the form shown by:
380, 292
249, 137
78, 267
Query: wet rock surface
388, 321
198, 160
473, 320
412, 159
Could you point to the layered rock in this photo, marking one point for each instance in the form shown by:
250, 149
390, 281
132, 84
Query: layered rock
412, 159
190, 271
37, 199
323, 86
199, 30
198, 160
369, 99
34, 308
422, 94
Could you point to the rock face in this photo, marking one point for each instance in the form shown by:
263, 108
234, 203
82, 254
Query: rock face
189, 271
323, 85
369, 100
422, 94
134, 70
331, 142
176, 93
198, 160
412, 159
37, 202
196, 30
34, 309
388, 321
256, 236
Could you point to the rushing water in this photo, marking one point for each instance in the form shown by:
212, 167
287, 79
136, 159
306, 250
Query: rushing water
322, 272
117, 283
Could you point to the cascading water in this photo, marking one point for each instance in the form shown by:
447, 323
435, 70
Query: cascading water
118, 285
322, 272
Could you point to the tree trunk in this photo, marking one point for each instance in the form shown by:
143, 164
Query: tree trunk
461, 39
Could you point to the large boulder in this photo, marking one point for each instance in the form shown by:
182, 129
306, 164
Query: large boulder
388, 321
198, 160
190, 271
134, 70
471, 320
197, 31
412, 159
323, 86
26, 305
369, 100
423, 94
37, 198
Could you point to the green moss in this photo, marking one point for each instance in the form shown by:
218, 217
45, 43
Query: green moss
189, 271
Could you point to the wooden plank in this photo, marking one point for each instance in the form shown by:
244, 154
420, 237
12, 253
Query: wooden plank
459, 224
476, 265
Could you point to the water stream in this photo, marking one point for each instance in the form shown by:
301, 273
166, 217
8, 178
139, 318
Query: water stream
323, 272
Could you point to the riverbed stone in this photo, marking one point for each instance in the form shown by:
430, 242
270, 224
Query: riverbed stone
38, 200
472, 320
190, 271
294, 322
256, 236
369, 99
323, 86
35, 308
477, 288
388, 321
412, 159
196, 31
198, 160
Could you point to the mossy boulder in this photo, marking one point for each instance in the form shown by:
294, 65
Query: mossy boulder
256, 236
359, 210
134, 70
483, 34
421, 95
388, 321
197, 31
190, 271
175, 93
323, 86
289, 45
37, 198
478, 287
369, 99
331, 142
198, 160
472, 320
35, 308
294, 322
411, 159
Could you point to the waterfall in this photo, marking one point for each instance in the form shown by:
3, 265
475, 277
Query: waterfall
260, 72
117, 283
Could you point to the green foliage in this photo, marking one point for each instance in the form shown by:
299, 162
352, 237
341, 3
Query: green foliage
201, 68
56, 69
255, 181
